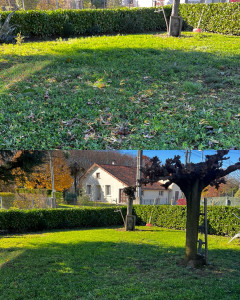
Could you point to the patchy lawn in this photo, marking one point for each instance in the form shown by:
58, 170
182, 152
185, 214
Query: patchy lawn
121, 92
114, 264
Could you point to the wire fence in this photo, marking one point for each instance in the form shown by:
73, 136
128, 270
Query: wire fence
6, 5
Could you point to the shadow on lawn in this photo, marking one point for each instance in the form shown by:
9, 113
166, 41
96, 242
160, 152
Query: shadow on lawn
92, 92
108, 270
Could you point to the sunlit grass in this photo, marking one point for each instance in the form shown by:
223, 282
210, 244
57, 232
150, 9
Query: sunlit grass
133, 91
114, 264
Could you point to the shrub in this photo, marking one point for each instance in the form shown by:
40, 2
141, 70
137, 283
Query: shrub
45, 219
221, 220
70, 198
7, 199
216, 17
65, 23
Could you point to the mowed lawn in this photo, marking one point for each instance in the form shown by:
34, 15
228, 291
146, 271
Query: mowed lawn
114, 264
120, 92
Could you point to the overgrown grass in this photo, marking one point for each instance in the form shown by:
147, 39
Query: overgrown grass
121, 92
114, 264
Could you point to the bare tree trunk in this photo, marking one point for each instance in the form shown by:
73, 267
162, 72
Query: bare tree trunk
192, 226
175, 8
175, 25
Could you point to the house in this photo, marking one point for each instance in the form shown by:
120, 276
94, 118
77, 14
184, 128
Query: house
105, 183
153, 3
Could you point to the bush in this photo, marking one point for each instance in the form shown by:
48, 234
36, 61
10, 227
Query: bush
217, 17
70, 198
221, 220
45, 219
65, 23
7, 199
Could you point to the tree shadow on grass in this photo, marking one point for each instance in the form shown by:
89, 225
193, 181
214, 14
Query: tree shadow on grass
96, 94
115, 270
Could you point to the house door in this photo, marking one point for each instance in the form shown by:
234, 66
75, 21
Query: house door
98, 192
122, 196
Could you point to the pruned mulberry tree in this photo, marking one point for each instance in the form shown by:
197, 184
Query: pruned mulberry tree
192, 179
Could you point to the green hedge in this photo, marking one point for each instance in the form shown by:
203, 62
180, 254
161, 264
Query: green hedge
61, 23
218, 17
45, 219
221, 220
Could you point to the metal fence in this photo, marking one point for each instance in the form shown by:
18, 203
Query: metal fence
64, 4
224, 201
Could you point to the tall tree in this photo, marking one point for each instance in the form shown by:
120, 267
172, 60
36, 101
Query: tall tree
41, 176
192, 179
13, 161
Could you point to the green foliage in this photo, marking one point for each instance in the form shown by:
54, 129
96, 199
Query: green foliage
221, 220
218, 17
70, 198
7, 199
45, 219
237, 195
138, 78
192, 87
65, 23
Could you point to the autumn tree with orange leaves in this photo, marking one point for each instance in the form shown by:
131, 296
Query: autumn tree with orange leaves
41, 176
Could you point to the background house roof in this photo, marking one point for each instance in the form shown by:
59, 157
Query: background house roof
127, 175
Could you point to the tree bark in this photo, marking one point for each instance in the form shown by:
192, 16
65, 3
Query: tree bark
193, 210
175, 8
175, 24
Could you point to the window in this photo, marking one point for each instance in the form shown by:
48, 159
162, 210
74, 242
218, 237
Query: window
161, 193
176, 195
98, 175
89, 189
108, 190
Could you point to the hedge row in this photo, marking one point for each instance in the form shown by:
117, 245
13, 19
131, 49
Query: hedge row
64, 23
218, 17
221, 220
45, 219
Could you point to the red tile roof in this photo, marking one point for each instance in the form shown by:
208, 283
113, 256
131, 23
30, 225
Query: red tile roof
127, 175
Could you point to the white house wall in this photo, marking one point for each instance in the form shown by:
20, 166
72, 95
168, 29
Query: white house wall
105, 179
149, 196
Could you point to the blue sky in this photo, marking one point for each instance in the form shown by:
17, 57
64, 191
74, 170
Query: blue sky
196, 155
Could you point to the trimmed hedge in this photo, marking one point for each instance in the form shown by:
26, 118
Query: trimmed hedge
218, 17
221, 220
45, 219
63, 23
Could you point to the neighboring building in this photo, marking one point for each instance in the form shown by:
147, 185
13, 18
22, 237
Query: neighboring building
105, 183
152, 3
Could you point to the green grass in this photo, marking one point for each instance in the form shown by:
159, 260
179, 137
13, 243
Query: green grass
96, 204
114, 264
121, 92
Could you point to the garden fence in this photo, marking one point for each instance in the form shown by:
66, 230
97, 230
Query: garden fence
64, 4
